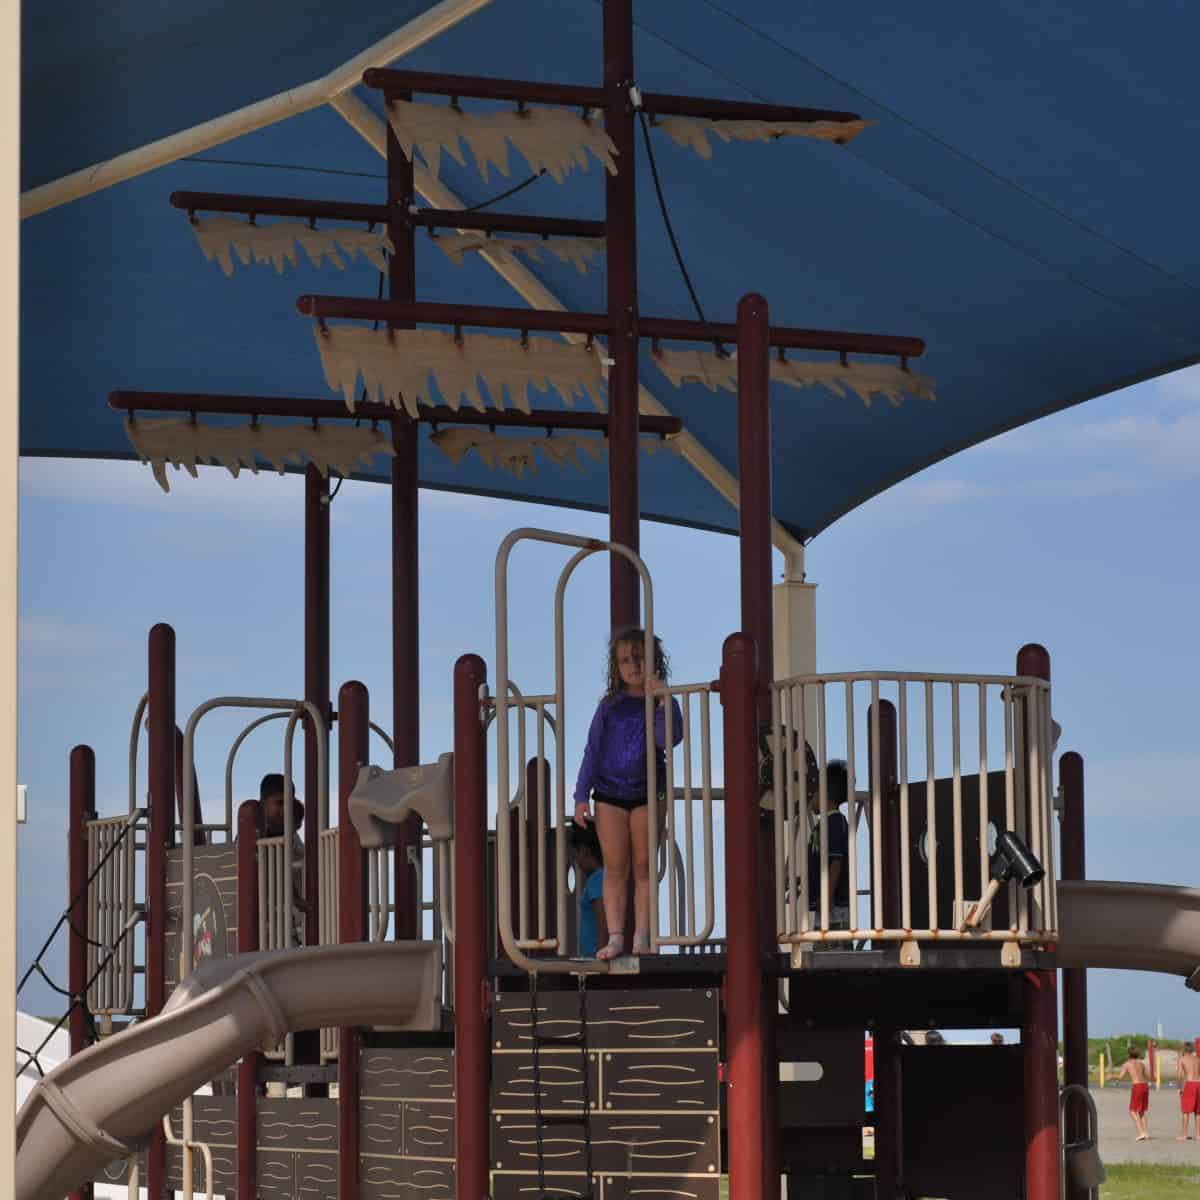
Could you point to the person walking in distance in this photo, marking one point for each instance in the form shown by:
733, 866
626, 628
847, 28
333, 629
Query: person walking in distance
1138, 1074
1189, 1097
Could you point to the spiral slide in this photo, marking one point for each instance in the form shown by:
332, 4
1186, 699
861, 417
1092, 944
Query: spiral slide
106, 1102
1130, 926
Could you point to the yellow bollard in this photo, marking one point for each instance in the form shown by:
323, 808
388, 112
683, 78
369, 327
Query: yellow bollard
1101, 1070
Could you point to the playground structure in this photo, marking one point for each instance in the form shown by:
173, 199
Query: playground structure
518, 1064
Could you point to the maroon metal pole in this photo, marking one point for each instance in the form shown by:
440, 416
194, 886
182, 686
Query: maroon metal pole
1039, 1043
406, 683
754, 486
890, 816
247, 943
1039, 1031
316, 674
470, 931
353, 729
888, 1136
1074, 979
161, 835
82, 808
744, 1008
308, 408
620, 209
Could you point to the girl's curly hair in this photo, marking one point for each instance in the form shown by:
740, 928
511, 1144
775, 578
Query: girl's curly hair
635, 636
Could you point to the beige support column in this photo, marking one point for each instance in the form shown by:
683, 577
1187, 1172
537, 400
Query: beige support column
795, 622
796, 654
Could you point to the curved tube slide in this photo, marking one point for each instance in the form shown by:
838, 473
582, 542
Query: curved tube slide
1130, 926
106, 1102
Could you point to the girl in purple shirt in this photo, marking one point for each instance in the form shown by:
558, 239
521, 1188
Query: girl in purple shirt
613, 773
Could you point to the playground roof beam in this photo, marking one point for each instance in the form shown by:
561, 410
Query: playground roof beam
597, 324
332, 410
323, 90
394, 83
378, 214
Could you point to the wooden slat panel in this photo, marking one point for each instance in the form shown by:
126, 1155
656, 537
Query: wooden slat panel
407, 1074
681, 1018
635, 1080
561, 1081
638, 1142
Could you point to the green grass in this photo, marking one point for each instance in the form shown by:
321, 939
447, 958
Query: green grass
1138, 1181
1126, 1181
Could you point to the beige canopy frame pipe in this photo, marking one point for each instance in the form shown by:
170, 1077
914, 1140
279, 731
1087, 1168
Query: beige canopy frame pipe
585, 548
294, 101
535, 293
232, 756
295, 710
135, 737
588, 547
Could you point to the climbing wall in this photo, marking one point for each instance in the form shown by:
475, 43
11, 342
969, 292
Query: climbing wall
652, 1063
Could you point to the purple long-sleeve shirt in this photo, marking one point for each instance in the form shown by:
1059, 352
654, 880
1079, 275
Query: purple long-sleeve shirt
614, 761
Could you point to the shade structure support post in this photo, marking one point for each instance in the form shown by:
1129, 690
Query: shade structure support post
406, 706
747, 1030
160, 837
1074, 979
247, 943
1039, 1046
316, 675
82, 809
471, 1001
754, 487
354, 718
620, 218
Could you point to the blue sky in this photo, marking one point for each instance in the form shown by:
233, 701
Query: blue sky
1073, 532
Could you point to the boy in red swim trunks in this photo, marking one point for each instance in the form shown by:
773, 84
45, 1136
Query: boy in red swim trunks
1189, 1097
1138, 1075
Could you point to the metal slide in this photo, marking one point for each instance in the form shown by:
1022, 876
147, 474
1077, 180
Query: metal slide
105, 1102
1130, 926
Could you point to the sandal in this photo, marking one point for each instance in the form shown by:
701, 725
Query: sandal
614, 948
641, 942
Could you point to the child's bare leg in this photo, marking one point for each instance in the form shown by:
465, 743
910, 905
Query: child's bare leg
639, 836
612, 827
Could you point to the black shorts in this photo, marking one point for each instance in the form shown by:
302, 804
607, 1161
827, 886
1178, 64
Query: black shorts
628, 804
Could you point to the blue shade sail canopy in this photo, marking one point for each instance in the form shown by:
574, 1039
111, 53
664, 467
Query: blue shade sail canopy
1024, 200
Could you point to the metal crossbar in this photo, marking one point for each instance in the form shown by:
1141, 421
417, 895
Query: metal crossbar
584, 1117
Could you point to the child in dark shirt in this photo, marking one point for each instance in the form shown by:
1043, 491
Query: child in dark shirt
613, 773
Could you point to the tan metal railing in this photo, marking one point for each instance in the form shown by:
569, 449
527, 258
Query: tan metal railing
515, 945
1010, 729
683, 909
683, 871
434, 900
112, 909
